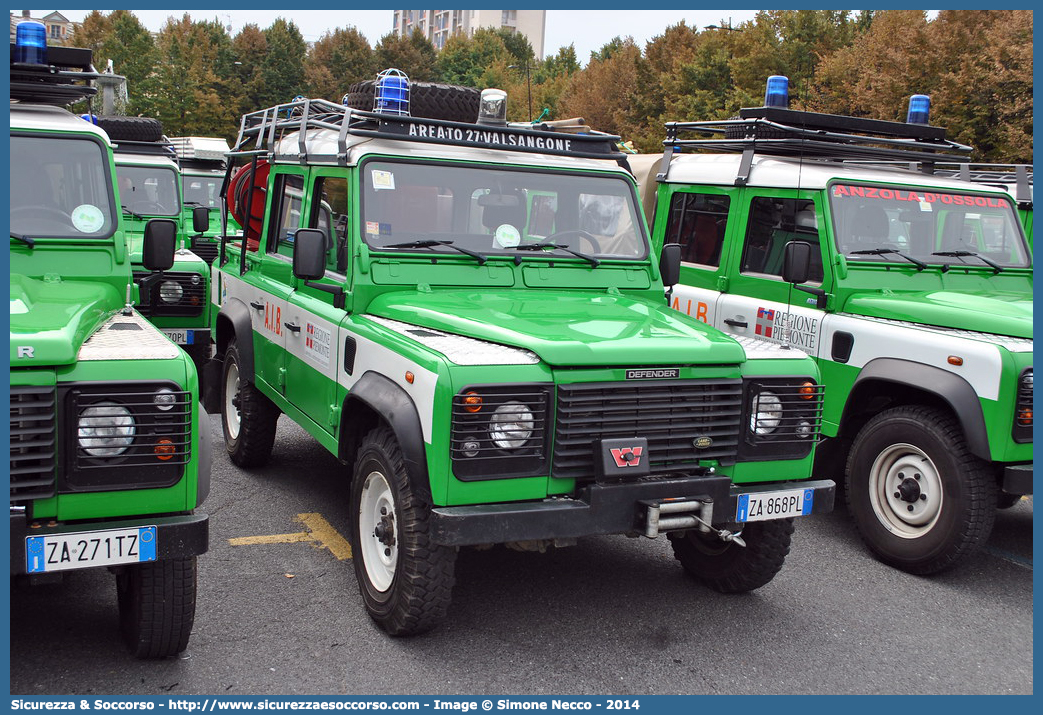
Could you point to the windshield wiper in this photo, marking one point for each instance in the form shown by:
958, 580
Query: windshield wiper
135, 215
431, 243
594, 262
920, 265
23, 238
996, 268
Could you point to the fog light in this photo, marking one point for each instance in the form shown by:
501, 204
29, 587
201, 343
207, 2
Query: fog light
803, 430
164, 399
171, 292
471, 446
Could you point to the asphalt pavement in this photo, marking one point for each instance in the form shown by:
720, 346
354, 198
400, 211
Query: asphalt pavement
279, 613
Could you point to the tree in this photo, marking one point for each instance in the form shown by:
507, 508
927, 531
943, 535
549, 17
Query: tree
121, 38
282, 67
336, 61
250, 47
602, 92
414, 55
466, 60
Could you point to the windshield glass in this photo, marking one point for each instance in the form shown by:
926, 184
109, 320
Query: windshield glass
494, 211
923, 223
60, 188
149, 190
202, 190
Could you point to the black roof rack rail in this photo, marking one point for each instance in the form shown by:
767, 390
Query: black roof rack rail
64, 80
774, 131
264, 128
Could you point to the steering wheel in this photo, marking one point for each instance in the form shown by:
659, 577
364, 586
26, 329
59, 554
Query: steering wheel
31, 213
575, 232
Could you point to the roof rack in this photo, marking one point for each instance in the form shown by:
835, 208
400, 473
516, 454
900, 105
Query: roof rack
264, 128
775, 131
66, 79
156, 148
200, 149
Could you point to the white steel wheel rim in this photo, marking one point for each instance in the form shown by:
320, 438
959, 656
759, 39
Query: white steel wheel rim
232, 418
378, 531
905, 489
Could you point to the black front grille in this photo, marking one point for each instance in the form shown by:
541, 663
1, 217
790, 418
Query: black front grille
1023, 408
674, 416
190, 301
32, 443
153, 443
205, 249
483, 414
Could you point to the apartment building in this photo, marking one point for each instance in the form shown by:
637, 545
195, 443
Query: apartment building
439, 25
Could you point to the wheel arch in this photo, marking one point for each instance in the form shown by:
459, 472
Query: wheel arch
890, 382
375, 399
234, 322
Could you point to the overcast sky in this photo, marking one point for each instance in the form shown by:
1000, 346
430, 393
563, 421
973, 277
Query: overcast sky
588, 30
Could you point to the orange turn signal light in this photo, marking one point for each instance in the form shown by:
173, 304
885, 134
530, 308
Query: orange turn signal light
472, 402
955, 360
807, 390
165, 450
1025, 418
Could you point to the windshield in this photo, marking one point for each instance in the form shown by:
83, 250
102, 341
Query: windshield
495, 211
60, 188
202, 190
149, 190
935, 227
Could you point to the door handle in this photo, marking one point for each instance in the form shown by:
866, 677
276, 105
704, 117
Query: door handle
293, 327
736, 323
257, 306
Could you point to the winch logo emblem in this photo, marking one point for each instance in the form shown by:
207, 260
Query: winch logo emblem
627, 456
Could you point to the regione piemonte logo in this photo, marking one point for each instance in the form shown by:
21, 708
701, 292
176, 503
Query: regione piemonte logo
765, 322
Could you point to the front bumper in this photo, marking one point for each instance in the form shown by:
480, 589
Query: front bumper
602, 508
177, 536
1017, 479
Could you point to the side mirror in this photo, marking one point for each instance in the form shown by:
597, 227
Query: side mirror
670, 264
200, 219
157, 250
796, 262
309, 254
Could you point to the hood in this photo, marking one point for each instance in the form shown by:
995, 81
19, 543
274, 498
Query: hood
997, 313
50, 319
566, 328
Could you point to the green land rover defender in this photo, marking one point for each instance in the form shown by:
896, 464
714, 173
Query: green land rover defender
108, 461
471, 318
917, 306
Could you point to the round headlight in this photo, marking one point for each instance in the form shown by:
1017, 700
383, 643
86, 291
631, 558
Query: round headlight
171, 292
164, 399
767, 413
510, 426
106, 429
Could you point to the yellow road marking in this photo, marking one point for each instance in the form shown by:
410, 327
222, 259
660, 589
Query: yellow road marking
319, 532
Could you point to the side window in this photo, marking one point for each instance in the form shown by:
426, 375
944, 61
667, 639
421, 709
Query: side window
698, 223
773, 222
289, 192
329, 214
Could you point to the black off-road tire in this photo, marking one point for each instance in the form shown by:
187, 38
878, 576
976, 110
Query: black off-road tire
730, 568
250, 410
137, 129
157, 606
907, 453
429, 100
406, 581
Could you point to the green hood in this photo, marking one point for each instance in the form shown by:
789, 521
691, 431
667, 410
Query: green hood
54, 318
998, 313
566, 329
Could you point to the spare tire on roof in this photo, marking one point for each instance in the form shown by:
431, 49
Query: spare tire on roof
132, 129
429, 100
